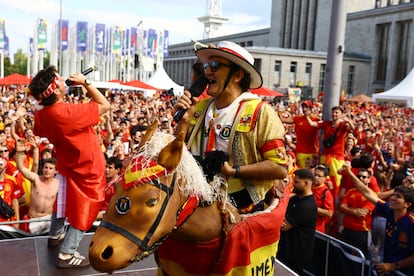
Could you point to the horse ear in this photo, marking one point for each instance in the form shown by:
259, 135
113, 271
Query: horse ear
148, 134
170, 156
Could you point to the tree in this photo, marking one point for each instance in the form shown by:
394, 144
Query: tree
20, 63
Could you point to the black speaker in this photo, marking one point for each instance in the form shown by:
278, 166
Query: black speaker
136, 61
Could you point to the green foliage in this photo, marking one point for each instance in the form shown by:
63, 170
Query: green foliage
20, 63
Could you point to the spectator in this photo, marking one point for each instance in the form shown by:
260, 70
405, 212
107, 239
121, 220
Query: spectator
10, 142
44, 155
323, 198
333, 154
399, 238
357, 215
136, 134
113, 176
124, 131
297, 236
44, 189
2, 137
307, 141
8, 186
79, 156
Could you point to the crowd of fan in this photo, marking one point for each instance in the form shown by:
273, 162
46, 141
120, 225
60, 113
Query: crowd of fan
383, 133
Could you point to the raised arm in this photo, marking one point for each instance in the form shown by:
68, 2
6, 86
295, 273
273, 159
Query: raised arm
95, 94
20, 156
310, 122
35, 142
363, 189
108, 125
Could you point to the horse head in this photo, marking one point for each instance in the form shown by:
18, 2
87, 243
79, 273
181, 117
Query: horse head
146, 206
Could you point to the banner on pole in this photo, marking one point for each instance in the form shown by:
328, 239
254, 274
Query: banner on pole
31, 46
152, 43
63, 35
134, 41
125, 42
116, 40
99, 37
41, 33
166, 42
81, 36
2, 33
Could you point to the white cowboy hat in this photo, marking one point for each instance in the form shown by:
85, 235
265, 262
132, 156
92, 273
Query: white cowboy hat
236, 54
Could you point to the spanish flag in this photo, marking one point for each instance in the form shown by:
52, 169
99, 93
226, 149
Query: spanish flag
250, 248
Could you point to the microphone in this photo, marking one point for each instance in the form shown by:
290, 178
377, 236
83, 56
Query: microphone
84, 72
196, 90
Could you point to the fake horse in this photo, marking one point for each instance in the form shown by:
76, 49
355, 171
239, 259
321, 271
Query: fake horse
166, 206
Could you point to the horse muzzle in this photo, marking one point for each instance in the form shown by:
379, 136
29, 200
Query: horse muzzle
109, 252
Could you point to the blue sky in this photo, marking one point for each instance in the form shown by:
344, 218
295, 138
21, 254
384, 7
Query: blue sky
177, 16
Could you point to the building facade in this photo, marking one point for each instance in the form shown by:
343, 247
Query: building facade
379, 42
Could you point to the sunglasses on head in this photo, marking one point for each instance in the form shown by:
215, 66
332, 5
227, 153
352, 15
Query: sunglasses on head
214, 65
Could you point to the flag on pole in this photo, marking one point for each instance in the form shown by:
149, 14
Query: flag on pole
125, 42
31, 46
107, 41
6, 46
166, 42
63, 35
81, 36
2, 33
41, 33
99, 37
117, 40
134, 41
152, 43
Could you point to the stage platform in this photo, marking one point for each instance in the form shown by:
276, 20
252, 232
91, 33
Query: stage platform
32, 257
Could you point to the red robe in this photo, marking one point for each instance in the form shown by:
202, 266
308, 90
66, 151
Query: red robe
69, 127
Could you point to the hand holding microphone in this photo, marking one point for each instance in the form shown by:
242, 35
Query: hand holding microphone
196, 90
84, 72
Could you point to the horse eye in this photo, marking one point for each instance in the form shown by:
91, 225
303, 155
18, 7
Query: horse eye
152, 202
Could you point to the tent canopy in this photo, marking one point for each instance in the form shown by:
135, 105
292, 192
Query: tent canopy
140, 84
15, 79
402, 93
264, 91
161, 80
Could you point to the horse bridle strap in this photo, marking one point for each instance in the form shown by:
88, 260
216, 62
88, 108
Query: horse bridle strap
186, 210
143, 244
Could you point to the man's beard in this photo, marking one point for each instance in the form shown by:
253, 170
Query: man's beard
298, 191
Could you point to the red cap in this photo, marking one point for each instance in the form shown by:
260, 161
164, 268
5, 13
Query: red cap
307, 103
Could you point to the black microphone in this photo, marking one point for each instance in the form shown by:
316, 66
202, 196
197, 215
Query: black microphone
84, 72
196, 90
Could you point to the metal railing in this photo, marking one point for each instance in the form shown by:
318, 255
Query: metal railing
335, 257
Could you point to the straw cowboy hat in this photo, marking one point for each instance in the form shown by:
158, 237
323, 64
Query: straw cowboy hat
236, 54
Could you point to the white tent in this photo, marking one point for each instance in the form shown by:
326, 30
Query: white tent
119, 86
402, 93
161, 80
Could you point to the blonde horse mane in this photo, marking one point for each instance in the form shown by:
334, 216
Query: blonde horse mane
193, 182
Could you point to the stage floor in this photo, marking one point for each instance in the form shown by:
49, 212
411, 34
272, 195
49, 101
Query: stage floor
31, 256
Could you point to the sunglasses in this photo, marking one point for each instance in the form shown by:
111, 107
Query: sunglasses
214, 65
363, 176
4, 150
